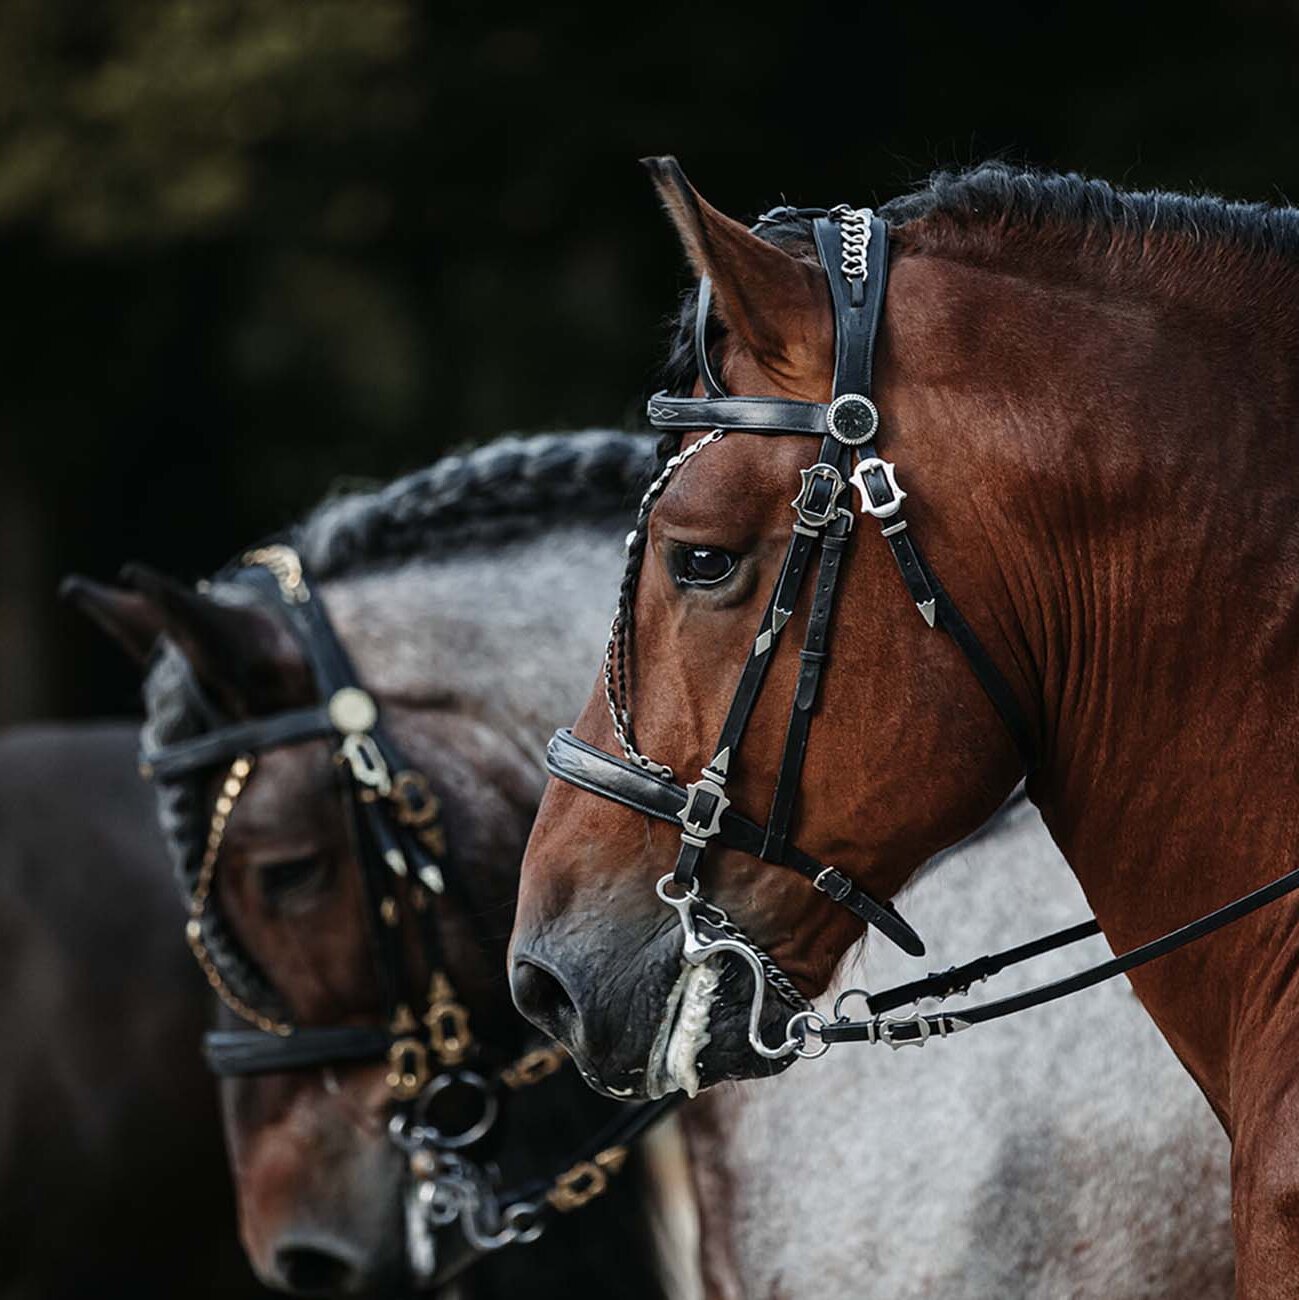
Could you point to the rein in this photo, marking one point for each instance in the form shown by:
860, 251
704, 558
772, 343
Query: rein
852, 248
443, 1101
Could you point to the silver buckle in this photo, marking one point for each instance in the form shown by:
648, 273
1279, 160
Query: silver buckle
885, 1029
858, 480
818, 473
699, 831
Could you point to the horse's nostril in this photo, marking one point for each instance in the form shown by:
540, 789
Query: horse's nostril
306, 1270
541, 997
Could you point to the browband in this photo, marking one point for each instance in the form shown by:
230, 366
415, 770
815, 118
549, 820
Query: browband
593, 770
751, 414
234, 738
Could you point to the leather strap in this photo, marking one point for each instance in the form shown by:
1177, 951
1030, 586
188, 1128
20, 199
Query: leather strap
238, 1052
712, 386
957, 980
812, 659
918, 1028
593, 770
621, 1131
235, 738
751, 414
779, 608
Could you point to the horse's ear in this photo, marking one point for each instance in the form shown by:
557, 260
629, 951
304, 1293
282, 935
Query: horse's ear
127, 617
247, 661
776, 304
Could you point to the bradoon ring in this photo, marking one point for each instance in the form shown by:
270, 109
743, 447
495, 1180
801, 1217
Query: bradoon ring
806, 1020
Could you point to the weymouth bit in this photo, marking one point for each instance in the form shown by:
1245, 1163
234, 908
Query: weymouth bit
697, 949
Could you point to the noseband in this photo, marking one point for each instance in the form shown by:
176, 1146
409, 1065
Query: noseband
852, 248
444, 1102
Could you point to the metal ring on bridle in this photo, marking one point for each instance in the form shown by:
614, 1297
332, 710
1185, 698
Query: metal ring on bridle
844, 997
438, 1135
524, 1221
853, 419
800, 1025
690, 891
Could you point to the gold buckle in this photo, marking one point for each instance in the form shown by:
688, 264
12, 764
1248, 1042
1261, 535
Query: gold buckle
408, 1070
533, 1066
586, 1180
447, 1022
416, 804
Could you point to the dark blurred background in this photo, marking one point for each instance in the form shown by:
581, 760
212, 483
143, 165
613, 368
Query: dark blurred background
250, 249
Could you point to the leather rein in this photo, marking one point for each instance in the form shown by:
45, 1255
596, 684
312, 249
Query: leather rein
852, 248
443, 1102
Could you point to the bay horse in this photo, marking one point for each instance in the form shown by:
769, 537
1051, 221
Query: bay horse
446, 589
1089, 395
109, 1131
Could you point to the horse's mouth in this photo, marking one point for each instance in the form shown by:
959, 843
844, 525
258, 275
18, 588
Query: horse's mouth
683, 1031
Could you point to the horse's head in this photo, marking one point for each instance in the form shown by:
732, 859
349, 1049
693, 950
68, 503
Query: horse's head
315, 892
906, 753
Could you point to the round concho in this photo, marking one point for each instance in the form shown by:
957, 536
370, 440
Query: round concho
351, 710
852, 419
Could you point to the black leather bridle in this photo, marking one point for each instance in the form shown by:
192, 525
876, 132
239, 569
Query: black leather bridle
444, 1100
852, 248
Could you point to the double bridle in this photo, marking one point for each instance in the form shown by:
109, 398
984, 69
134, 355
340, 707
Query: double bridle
852, 248
445, 1100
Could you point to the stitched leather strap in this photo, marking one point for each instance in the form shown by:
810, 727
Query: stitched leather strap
751, 414
593, 770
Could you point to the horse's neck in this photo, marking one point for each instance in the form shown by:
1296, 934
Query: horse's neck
1142, 468
510, 634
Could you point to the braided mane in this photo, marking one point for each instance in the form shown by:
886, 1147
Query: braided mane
507, 490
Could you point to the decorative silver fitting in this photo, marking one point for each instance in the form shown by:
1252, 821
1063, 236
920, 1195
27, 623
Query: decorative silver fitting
706, 801
885, 1029
366, 762
351, 709
852, 419
817, 502
897, 495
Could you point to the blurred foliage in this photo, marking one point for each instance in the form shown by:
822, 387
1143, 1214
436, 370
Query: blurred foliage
248, 247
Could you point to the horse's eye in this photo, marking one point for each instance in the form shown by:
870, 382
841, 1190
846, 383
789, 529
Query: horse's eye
280, 880
703, 566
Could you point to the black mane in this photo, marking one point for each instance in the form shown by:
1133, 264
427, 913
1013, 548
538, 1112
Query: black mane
997, 197
975, 211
